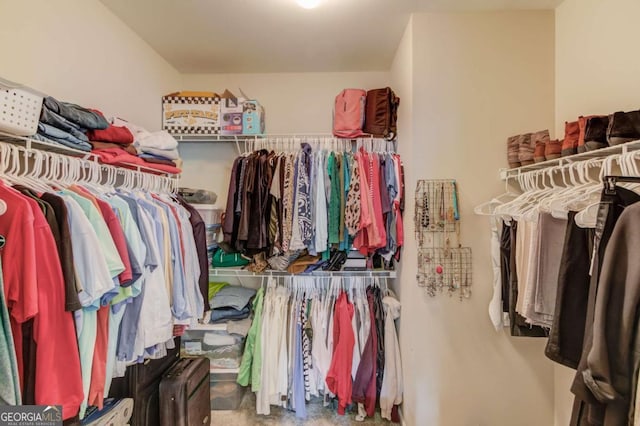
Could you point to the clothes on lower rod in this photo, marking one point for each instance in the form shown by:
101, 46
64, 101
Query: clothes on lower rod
286, 371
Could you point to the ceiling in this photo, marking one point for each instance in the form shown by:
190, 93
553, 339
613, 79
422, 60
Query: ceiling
238, 36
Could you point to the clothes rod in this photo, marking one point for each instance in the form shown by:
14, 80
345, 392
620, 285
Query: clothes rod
33, 144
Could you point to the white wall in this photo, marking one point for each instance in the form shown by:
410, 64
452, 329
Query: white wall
402, 84
476, 79
78, 51
596, 65
294, 103
596, 72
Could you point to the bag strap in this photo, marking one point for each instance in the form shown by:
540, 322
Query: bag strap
394, 103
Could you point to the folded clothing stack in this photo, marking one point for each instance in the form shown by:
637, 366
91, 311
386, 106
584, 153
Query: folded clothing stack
66, 124
119, 135
229, 302
118, 156
159, 145
119, 144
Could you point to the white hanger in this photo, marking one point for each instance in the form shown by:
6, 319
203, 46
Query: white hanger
587, 217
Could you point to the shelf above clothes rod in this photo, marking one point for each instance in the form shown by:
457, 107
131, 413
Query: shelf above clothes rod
33, 144
273, 140
506, 174
226, 272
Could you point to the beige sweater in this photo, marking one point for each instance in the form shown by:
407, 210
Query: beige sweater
391, 391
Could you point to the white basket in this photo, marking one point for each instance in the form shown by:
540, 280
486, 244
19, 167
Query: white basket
211, 215
19, 109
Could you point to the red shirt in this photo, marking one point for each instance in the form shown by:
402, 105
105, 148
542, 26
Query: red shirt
339, 379
115, 229
58, 374
19, 271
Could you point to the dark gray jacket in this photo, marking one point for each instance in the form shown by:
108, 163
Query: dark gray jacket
612, 362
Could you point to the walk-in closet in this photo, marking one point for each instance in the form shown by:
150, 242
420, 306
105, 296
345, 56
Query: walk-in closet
319, 212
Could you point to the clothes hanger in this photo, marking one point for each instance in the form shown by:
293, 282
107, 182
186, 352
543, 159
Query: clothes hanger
588, 217
488, 207
558, 203
515, 208
34, 177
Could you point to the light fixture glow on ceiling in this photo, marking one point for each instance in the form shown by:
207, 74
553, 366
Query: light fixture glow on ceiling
308, 4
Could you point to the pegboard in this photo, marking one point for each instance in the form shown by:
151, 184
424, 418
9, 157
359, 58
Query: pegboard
443, 264
447, 270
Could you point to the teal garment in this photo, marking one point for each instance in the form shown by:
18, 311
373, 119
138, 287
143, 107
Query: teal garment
86, 329
347, 159
115, 318
10, 389
251, 365
334, 200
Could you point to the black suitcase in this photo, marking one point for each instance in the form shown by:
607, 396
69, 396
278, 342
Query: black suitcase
142, 383
185, 394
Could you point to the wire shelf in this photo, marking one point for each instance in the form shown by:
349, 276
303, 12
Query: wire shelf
235, 272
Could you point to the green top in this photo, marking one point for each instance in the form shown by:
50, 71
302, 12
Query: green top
334, 200
251, 365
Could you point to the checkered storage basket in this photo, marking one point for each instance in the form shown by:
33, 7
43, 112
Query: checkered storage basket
193, 115
19, 109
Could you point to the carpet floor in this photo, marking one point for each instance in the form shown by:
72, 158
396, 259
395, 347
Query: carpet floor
317, 415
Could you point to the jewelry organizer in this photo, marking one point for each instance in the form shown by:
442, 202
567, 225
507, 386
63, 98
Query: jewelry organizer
443, 264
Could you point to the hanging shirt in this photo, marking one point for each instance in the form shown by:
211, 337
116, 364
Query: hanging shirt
130, 344
53, 329
155, 325
352, 208
200, 240
90, 259
252, 357
92, 269
135, 245
19, 265
119, 240
179, 306
193, 295
334, 200
364, 387
65, 251
10, 391
392, 385
321, 221
339, 376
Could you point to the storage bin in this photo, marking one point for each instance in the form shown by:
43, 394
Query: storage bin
210, 213
226, 393
196, 113
224, 350
19, 109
